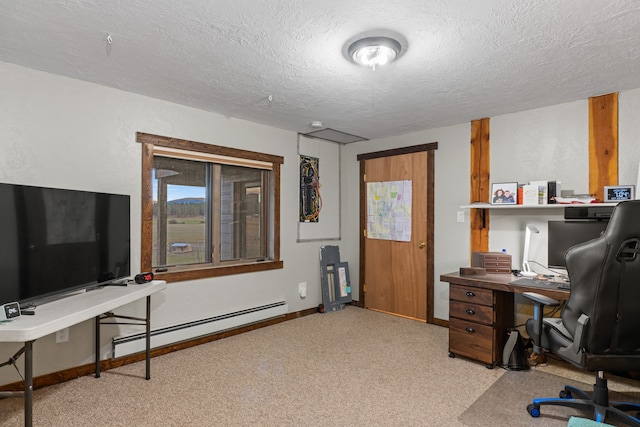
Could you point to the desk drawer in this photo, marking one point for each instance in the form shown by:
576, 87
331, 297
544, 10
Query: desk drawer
471, 312
494, 258
482, 257
498, 264
501, 270
471, 294
471, 340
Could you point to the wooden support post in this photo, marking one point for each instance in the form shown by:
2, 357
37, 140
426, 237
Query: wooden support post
480, 184
603, 143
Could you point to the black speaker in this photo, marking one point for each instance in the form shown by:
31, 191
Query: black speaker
513, 356
143, 278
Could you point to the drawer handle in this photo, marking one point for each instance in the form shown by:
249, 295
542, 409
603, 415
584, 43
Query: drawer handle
470, 294
470, 330
470, 312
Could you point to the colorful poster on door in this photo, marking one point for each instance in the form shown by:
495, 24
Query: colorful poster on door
389, 210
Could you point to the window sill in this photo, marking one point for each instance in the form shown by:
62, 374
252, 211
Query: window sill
201, 273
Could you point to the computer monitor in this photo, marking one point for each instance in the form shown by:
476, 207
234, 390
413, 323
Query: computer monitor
564, 234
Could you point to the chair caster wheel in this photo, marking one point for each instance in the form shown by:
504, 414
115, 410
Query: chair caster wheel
533, 410
565, 394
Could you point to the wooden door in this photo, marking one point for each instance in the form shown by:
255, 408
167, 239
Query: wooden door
398, 275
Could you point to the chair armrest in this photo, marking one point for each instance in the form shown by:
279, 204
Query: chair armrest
541, 299
574, 352
539, 302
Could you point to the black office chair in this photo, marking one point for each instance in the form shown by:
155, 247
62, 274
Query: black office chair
599, 327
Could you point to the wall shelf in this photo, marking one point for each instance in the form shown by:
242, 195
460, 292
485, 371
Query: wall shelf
490, 206
484, 206
554, 206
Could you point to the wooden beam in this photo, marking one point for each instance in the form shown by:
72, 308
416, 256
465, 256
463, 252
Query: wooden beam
480, 184
603, 143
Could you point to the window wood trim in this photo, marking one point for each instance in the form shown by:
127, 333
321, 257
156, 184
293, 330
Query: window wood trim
183, 144
148, 142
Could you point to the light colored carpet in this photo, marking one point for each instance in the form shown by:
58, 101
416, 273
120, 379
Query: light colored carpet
508, 397
354, 367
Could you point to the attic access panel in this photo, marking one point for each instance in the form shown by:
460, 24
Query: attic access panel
335, 136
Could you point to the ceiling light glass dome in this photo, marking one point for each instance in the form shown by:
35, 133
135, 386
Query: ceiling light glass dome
374, 51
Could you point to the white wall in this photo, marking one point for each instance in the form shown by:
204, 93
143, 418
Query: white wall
60, 132
328, 226
629, 137
550, 143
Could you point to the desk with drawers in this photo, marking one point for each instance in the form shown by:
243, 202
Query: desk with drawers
481, 309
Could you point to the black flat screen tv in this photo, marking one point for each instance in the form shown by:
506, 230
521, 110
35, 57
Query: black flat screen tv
55, 241
565, 234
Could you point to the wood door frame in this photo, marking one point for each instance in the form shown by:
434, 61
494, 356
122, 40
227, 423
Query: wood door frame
429, 148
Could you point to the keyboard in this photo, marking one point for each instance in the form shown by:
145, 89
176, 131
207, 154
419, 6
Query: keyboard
533, 282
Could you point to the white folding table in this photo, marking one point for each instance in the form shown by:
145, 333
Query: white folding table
68, 311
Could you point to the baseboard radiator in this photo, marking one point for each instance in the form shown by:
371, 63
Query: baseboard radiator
135, 343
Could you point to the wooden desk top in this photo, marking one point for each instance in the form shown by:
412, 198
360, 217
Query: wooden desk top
501, 282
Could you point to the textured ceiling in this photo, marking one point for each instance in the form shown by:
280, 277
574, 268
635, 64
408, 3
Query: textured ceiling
281, 62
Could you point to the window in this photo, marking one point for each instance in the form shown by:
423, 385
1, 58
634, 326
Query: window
208, 210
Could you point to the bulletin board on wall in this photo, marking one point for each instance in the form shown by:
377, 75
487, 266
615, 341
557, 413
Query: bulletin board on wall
319, 189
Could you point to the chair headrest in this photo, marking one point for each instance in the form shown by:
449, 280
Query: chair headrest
624, 224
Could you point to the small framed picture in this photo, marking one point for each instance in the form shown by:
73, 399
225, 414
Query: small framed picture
504, 193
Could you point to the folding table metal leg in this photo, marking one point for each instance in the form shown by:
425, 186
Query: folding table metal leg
28, 383
100, 320
97, 349
148, 338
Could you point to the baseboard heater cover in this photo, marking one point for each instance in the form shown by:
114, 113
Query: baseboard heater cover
135, 343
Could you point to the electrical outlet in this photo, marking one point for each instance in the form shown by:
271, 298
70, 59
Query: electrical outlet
302, 289
62, 335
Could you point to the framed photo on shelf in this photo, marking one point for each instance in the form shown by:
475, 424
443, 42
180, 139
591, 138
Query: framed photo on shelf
504, 193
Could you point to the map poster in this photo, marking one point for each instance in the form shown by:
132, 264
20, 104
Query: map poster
389, 210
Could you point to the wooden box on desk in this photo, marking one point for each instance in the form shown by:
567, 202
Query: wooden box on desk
493, 262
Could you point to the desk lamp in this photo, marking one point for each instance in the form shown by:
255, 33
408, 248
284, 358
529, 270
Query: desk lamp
526, 270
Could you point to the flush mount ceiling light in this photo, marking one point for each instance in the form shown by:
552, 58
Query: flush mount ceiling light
374, 51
